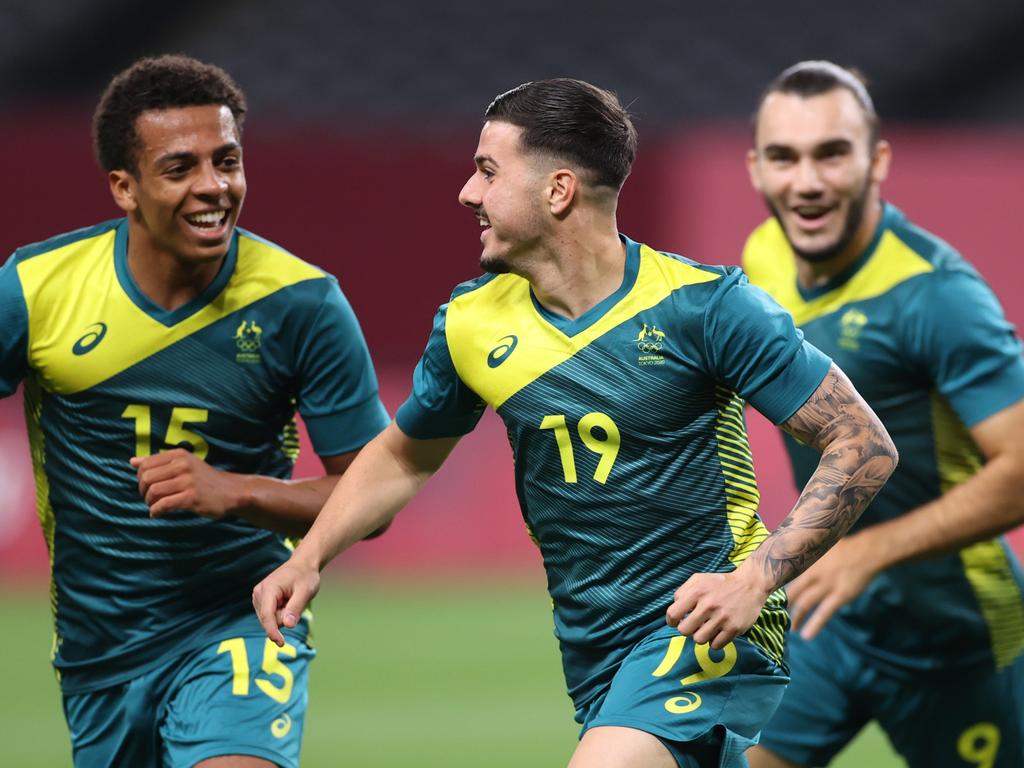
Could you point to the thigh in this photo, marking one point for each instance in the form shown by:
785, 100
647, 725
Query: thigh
616, 747
114, 726
820, 711
967, 721
240, 696
695, 700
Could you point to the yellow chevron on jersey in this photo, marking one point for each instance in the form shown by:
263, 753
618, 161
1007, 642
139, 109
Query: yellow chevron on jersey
71, 290
769, 262
484, 319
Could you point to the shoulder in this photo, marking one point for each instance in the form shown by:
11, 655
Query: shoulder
931, 264
266, 268
62, 242
490, 295
767, 254
269, 257
65, 245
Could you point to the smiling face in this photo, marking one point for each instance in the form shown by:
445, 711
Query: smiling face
185, 198
818, 172
506, 192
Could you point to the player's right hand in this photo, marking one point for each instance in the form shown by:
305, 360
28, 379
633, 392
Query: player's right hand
281, 597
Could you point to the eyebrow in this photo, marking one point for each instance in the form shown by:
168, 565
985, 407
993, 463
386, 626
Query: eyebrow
828, 144
175, 156
481, 159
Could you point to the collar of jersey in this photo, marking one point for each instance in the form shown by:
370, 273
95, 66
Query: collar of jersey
169, 317
596, 312
889, 215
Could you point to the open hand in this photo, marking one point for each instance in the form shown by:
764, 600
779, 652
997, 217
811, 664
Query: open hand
838, 577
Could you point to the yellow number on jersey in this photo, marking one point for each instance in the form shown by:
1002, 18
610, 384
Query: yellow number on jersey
606, 447
176, 432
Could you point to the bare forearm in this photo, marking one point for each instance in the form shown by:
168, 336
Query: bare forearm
857, 458
385, 476
284, 506
986, 505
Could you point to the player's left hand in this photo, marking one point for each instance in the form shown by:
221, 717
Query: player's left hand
839, 576
716, 607
178, 479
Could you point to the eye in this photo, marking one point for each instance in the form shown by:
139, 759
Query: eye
487, 173
231, 162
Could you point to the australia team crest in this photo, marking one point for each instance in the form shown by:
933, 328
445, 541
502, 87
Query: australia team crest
248, 338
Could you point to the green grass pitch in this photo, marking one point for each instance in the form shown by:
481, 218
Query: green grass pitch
456, 674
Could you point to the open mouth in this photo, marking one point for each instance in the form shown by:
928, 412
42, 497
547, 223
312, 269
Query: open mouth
208, 220
812, 217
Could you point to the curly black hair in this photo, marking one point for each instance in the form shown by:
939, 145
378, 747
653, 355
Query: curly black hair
159, 82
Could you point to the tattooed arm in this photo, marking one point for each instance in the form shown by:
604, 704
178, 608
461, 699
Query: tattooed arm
857, 458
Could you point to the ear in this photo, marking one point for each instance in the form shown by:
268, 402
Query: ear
753, 170
881, 158
562, 189
123, 189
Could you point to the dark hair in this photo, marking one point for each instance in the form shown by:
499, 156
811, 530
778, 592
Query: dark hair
161, 82
573, 120
813, 78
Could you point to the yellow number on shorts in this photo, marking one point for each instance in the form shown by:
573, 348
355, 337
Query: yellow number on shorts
979, 745
272, 665
709, 669
239, 664
702, 652
176, 432
606, 447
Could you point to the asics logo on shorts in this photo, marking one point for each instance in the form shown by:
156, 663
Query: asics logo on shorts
500, 353
93, 336
281, 726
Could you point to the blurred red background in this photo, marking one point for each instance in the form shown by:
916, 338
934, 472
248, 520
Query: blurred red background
380, 212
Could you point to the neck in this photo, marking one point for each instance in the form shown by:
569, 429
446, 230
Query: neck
166, 279
578, 268
814, 274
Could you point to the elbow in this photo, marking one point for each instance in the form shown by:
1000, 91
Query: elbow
888, 452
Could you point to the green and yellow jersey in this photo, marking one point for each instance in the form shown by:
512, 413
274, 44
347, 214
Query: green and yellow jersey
631, 458
109, 375
925, 342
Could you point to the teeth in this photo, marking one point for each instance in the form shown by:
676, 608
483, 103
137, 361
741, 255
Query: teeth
207, 219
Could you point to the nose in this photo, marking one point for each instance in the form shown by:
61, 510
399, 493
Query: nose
470, 194
807, 181
210, 181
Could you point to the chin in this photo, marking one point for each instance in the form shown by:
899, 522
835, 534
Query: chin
494, 264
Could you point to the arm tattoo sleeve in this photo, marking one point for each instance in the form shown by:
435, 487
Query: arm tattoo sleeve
857, 457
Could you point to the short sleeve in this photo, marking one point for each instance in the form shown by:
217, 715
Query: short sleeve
961, 337
14, 322
338, 395
753, 348
440, 404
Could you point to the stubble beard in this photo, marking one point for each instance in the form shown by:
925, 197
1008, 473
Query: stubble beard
854, 217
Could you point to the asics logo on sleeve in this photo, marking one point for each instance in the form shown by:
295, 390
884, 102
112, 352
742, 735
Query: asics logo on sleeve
94, 335
500, 353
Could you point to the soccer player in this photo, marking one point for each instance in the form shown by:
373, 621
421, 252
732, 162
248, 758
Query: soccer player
164, 355
618, 371
915, 619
